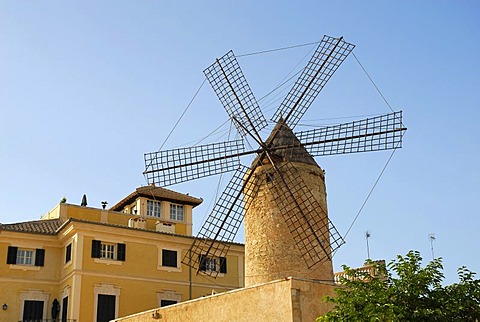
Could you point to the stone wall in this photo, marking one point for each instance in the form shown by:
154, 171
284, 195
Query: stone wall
270, 250
281, 300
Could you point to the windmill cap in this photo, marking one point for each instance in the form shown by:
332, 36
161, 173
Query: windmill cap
286, 147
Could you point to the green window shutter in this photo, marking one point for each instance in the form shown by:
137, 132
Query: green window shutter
202, 259
12, 255
39, 257
121, 252
96, 248
223, 265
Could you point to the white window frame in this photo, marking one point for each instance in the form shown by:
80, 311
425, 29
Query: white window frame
160, 267
211, 264
108, 251
65, 293
25, 257
154, 208
175, 214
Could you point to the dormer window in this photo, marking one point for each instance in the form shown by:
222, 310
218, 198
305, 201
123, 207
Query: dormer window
133, 210
176, 212
153, 208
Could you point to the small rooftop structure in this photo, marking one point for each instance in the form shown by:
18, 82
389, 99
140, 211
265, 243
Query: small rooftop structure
152, 191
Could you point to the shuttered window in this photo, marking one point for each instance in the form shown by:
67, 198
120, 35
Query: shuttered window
213, 264
109, 250
223, 265
25, 256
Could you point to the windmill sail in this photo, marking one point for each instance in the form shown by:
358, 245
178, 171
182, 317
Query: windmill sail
168, 167
221, 226
330, 54
231, 87
382, 132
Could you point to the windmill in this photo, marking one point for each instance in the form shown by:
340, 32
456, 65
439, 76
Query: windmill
282, 170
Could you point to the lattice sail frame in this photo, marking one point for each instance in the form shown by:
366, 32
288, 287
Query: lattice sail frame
221, 226
312, 231
329, 55
228, 82
382, 132
179, 165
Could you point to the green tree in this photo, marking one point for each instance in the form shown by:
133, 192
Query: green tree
405, 291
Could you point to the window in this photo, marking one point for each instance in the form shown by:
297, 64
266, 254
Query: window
106, 299
168, 297
105, 307
64, 308
210, 264
213, 264
133, 210
68, 253
33, 306
25, 256
167, 302
109, 251
176, 212
169, 258
153, 208
33, 310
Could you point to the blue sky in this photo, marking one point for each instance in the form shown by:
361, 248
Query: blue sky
87, 87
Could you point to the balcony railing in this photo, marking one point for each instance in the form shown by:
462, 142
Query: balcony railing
371, 269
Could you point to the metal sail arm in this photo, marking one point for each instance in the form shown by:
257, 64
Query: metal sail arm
383, 132
329, 55
168, 167
233, 91
221, 226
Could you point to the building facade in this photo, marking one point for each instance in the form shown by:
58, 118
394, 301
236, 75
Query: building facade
79, 263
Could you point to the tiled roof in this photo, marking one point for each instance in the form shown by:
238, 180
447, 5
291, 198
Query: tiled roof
48, 227
142, 230
53, 227
158, 193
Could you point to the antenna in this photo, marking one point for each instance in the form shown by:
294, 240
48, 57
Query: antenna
431, 237
367, 236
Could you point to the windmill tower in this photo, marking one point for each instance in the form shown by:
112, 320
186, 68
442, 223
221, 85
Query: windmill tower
269, 251
282, 194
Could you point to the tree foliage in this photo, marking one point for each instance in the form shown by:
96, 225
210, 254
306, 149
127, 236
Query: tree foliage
405, 291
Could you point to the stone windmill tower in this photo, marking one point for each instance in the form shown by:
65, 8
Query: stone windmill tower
270, 253
282, 194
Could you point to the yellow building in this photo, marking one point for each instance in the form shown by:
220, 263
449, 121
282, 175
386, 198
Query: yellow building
87, 264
